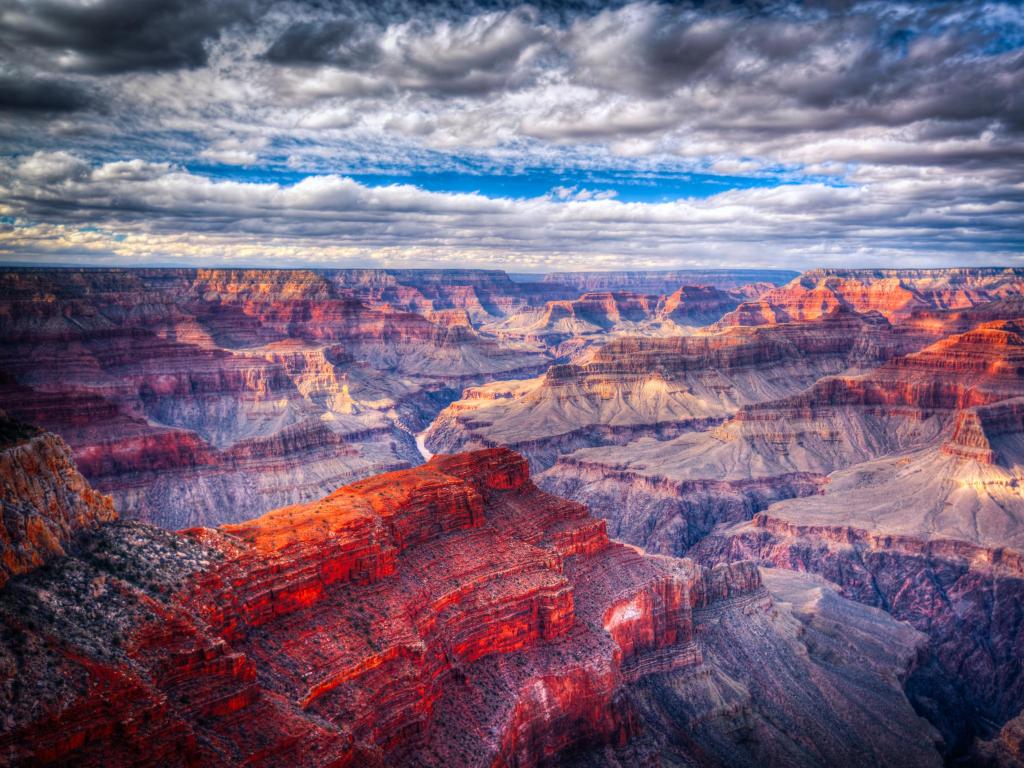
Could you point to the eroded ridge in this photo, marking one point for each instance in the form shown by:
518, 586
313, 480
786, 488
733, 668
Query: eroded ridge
444, 615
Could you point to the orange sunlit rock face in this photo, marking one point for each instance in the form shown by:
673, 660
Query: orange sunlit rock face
334, 632
896, 293
46, 502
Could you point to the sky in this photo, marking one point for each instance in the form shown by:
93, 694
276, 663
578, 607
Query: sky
526, 137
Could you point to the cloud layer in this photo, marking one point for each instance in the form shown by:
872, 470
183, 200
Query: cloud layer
892, 133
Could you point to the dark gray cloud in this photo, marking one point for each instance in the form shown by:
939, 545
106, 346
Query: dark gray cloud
440, 53
901, 126
37, 94
342, 42
111, 36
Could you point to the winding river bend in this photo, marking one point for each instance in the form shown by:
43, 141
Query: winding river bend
421, 438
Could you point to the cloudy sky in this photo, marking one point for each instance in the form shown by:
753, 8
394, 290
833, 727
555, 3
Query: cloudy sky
526, 137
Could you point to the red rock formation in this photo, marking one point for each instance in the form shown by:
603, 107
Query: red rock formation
977, 368
895, 293
977, 430
919, 513
449, 615
44, 501
958, 397
184, 383
456, 561
605, 310
481, 294
598, 311
567, 328
923, 521
698, 304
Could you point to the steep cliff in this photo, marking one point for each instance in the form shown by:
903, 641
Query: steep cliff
484, 294
637, 386
960, 393
668, 280
933, 535
44, 502
900, 485
567, 328
203, 396
895, 293
453, 615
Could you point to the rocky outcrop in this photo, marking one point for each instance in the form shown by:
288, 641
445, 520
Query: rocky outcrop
590, 313
452, 614
483, 294
1005, 750
909, 502
979, 431
895, 293
174, 388
958, 397
665, 282
640, 386
745, 669
963, 596
932, 535
695, 305
911, 401
44, 502
567, 329
659, 511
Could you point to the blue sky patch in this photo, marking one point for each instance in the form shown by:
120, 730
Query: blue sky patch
625, 185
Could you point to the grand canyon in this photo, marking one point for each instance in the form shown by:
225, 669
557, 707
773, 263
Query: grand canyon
511, 384
385, 517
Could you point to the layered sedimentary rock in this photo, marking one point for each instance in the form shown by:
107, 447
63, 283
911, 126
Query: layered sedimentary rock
567, 328
197, 396
637, 386
44, 501
667, 281
484, 294
901, 485
453, 615
908, 478
960, 393
895, 293
925, 523
934, 539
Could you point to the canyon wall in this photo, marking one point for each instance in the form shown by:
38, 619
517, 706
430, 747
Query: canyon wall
451, 615
633, 387
44, 501
668, 280
895, 293
205, 396
859, 427
199, 396
899, 484
568, 328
